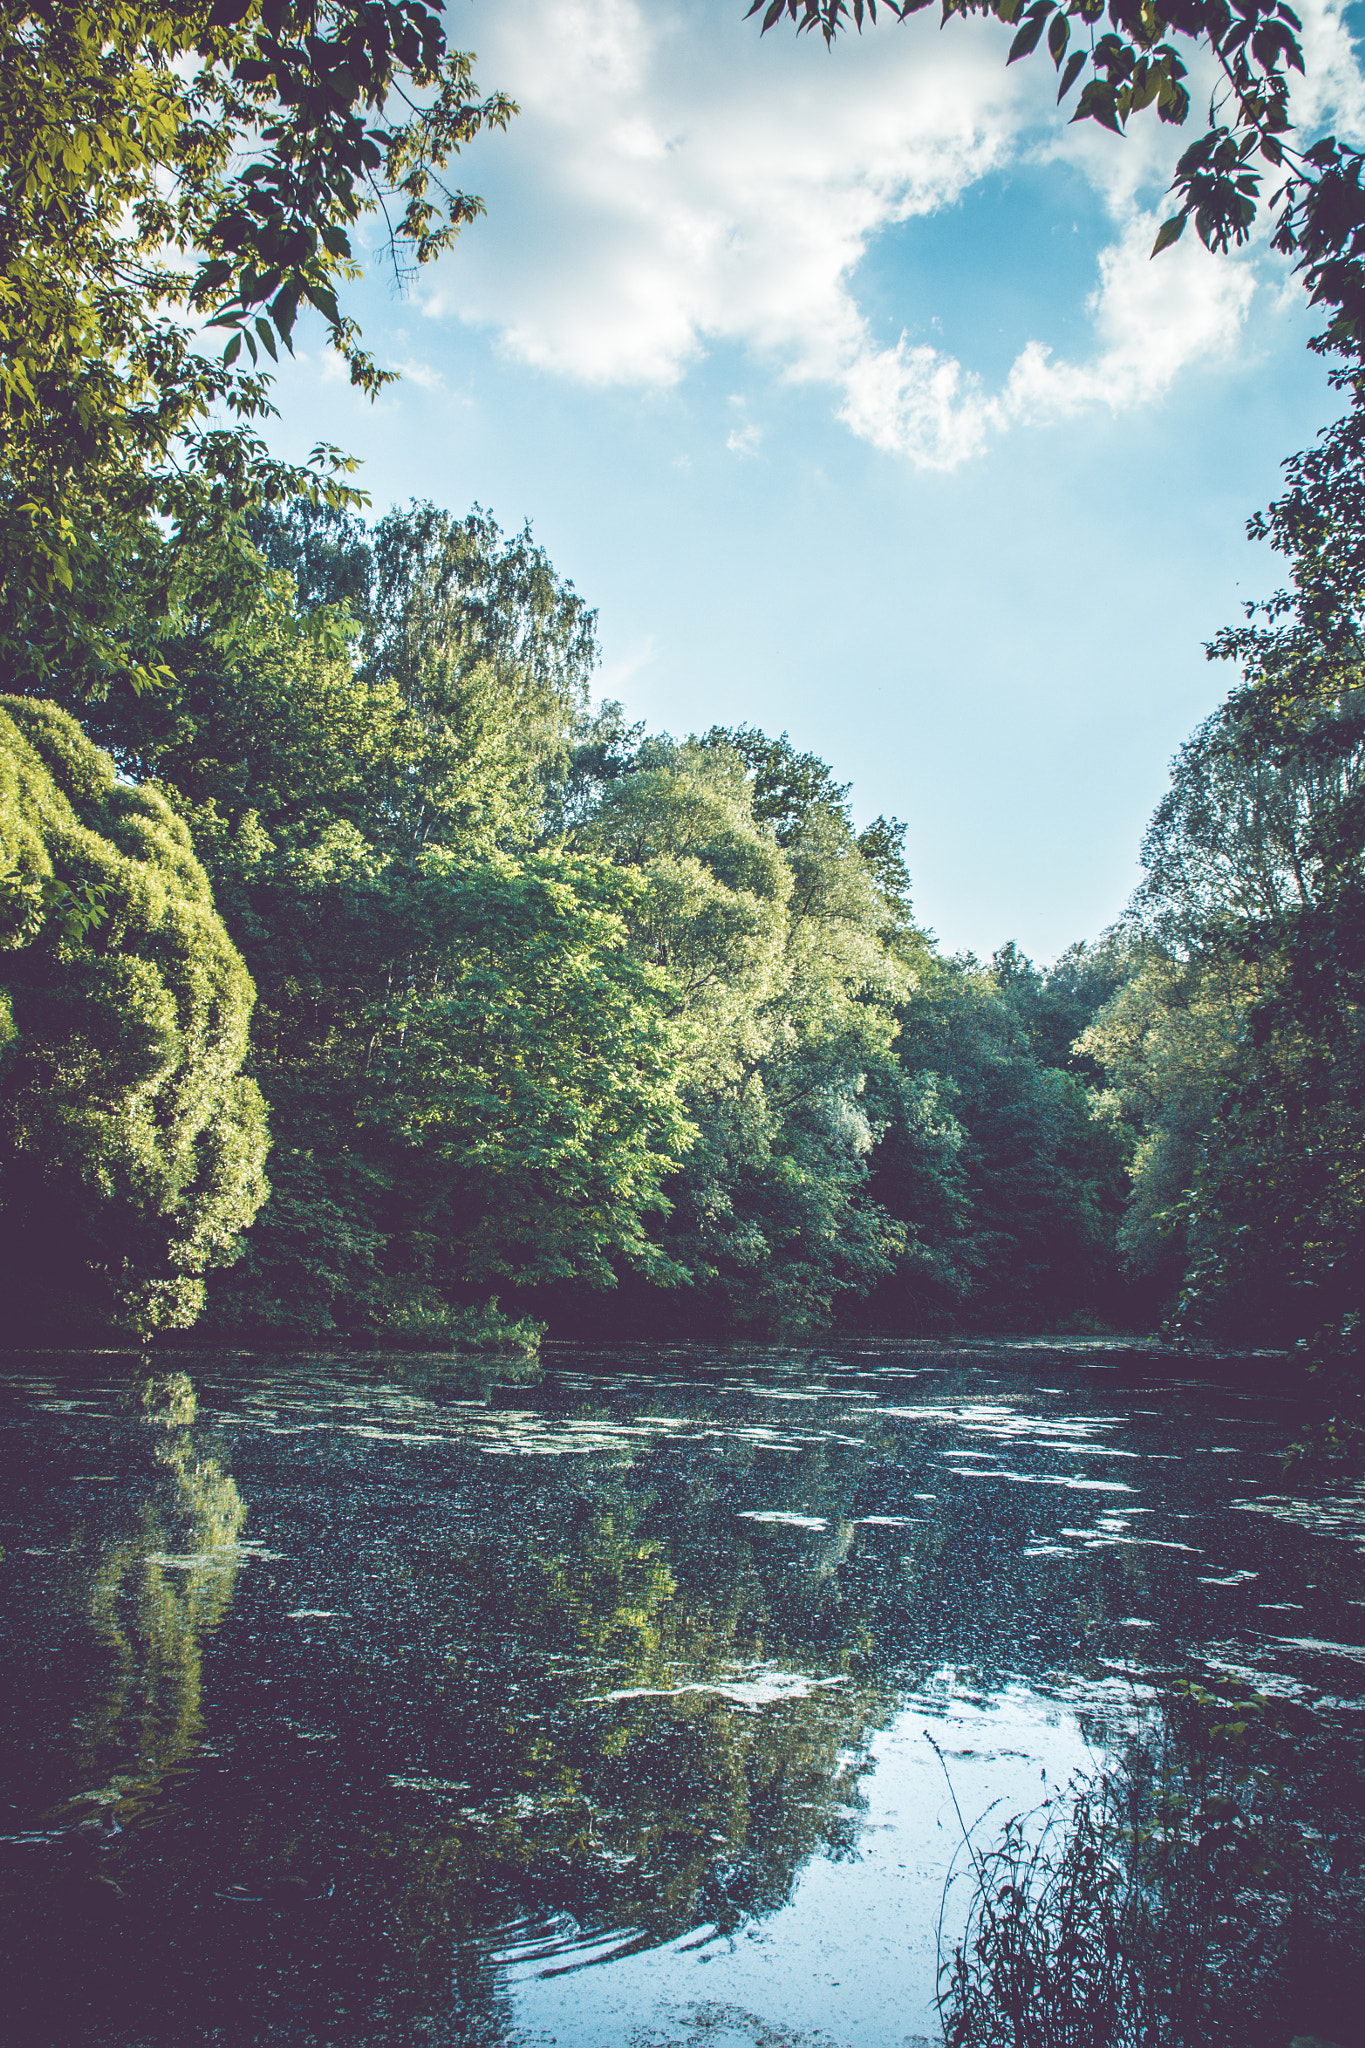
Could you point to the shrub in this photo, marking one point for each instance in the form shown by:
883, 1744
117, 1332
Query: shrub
132, 1146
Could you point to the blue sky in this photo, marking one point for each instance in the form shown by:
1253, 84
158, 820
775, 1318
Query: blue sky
842, 386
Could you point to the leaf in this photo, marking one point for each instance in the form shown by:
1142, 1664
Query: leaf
1099, 103
1074, 65
1058, 36
1170, 231
1027, 39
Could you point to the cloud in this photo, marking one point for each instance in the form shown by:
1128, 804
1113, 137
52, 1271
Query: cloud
744, 440
674, 183
424, 375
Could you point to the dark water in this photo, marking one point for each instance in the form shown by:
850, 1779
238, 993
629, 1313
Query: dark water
341, 1711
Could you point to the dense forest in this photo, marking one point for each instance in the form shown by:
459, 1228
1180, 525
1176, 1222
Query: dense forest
361, 977
620, 1030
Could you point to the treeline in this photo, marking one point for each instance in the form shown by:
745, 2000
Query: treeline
554, 1017
606, 1025
354, 971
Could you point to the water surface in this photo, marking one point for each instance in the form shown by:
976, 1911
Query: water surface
343, 1710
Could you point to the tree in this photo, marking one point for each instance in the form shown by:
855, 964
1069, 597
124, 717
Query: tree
425, 681
760, 906
1167, 1043
1236, 1049
169, 173
1015, 1185
1136, 63
1251, 830
473, 1077
131, 1143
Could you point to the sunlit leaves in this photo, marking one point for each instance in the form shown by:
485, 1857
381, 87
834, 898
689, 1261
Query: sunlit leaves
194, 164
131, 1147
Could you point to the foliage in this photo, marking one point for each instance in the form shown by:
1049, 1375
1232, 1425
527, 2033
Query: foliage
169, 174
131, 1143
1236, 1049
1167, 1043
1190, 1889
1012, 1186
547, 1006
421, 686
759, 905
473, 1081
1136, 63
1054, 1005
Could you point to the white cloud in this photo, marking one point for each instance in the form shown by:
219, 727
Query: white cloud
672, 183
744, 440
1333, 89
424, 375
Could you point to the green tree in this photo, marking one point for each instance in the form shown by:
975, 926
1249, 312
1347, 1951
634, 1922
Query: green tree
1167, 1044
761, 908
473, 1083
169, 172
473, 1078
131, 1143
1009, 1184
1236, 1048
1055, 1004
431, 704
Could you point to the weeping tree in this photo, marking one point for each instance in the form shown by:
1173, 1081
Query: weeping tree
132, 1146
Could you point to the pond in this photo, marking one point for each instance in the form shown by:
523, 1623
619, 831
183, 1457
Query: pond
342, 1708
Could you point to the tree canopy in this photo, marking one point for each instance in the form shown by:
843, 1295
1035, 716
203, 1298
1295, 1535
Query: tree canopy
131, 1143
178, 184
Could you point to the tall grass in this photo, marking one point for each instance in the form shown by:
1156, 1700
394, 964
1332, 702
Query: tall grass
1200, 1890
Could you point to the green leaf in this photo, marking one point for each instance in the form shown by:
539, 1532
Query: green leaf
1027, 39
1099, 103
1074, 64
1170, 231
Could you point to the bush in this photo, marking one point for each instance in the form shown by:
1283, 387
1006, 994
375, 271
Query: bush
132, 1147
1203, 1888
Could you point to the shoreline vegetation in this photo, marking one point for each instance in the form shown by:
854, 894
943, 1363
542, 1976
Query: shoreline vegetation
560, 1024
1201, 1884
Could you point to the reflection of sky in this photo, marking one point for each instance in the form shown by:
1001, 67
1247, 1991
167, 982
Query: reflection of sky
852, 1957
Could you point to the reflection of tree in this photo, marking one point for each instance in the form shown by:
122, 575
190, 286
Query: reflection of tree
144, 1582
599, 1776
154, 1594
533, 1690
113, 1710
483, 1781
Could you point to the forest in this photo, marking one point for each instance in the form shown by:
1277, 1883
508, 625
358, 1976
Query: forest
362, 977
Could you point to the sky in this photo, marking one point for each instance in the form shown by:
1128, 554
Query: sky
841, 384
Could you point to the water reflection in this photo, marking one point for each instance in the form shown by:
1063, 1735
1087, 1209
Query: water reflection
598, 1691
144, 1573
